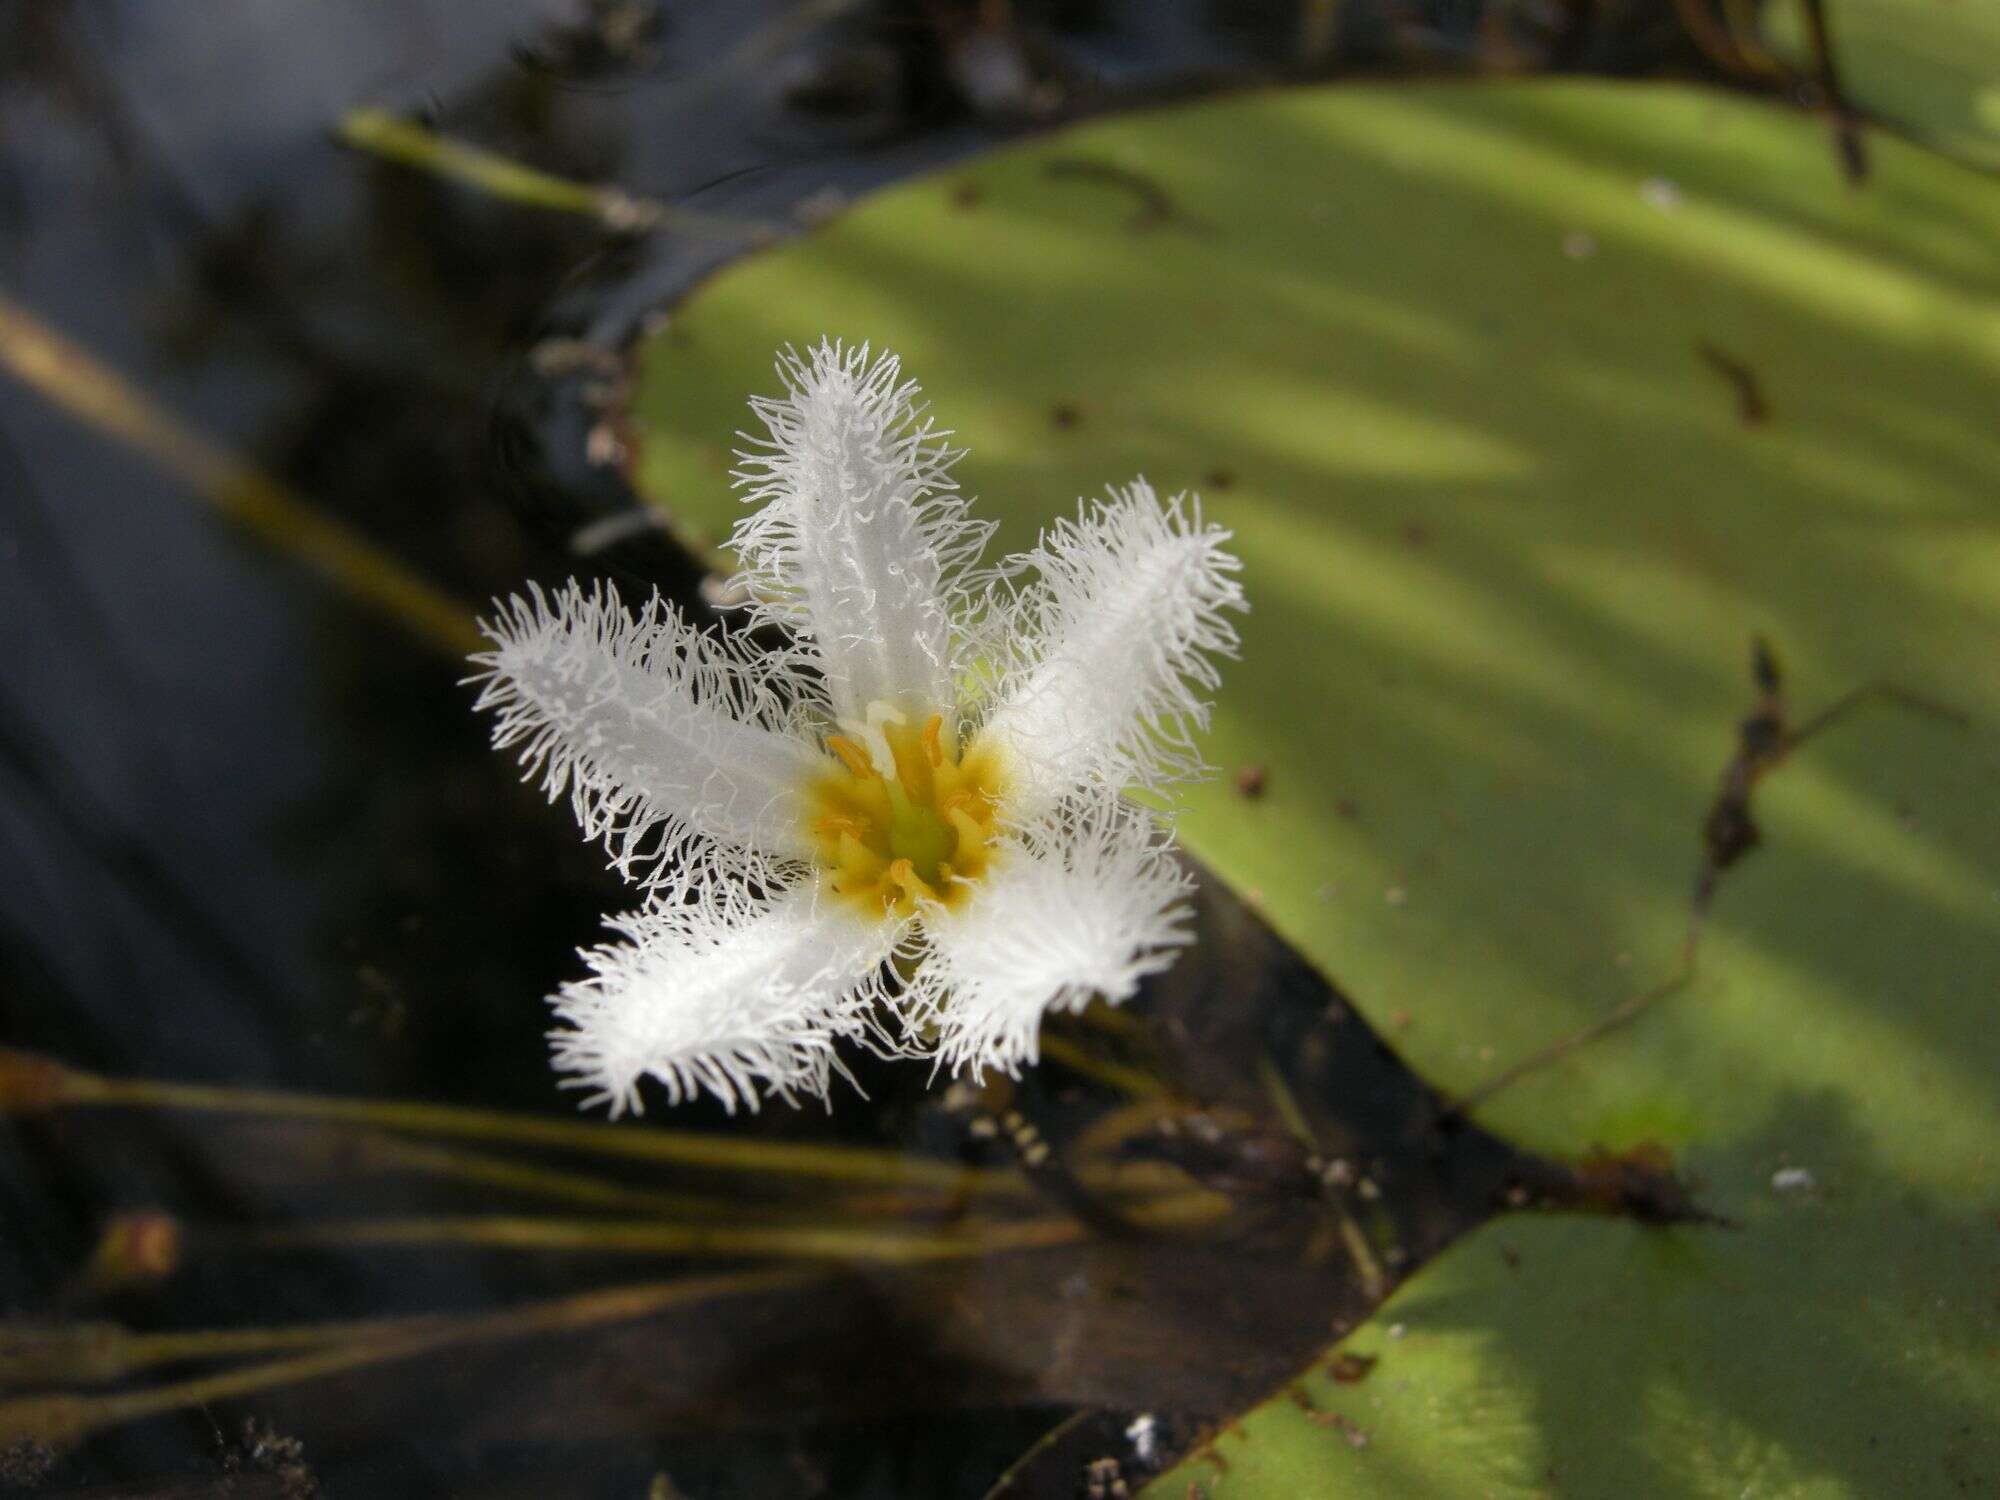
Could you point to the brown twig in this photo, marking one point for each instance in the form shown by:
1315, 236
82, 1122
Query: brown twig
65, 1417
31, 1082
69, 376
1846, 119
1156, 210
1367, 1265
1751, 406
1765, 740
1717, 42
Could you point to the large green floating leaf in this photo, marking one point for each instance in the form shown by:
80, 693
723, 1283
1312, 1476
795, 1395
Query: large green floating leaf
1931, 65
1530, 404
1842, 1346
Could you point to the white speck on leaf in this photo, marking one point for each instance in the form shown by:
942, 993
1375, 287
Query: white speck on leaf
1792, 1180
1661, 193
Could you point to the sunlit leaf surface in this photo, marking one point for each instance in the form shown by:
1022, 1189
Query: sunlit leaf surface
1930, 65
1530, 405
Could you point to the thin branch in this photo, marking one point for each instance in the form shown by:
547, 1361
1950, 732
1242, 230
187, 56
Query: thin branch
1374, 1281
349, 1151
392, 138
1846, 120
30, 1082
1622, 1014
1766, 739
64, 1418
808, 1242
70, 377
1134, 1083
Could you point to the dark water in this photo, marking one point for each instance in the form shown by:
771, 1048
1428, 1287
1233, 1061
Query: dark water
252, 835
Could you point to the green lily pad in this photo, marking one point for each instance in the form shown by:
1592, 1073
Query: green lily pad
1530, 404
1838, 1344
1932, 66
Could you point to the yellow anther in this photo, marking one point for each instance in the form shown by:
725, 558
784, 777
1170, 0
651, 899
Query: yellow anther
933, 739
855, 855
851, 755
904, 874
965, 826
842, 823
913, 767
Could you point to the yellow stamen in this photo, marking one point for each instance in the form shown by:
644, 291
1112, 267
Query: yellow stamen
904, 874
964, 824
933, 733
913, 767
852, 756
856, 857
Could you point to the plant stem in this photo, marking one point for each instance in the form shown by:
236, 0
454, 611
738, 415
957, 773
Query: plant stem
65, 1418
29, 1081
1374, 1282
72, 378
1129, 1081
351, 1151
409, 144
954, 1241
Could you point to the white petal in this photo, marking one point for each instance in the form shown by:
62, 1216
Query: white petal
1111, 680
733, 995
670, 742
860, 543
1088, 906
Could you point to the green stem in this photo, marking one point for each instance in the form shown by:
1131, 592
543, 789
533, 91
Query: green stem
1132, 1082
29, 1081
70, 377
353, 1152
409, 144
622, 1236
65, 1418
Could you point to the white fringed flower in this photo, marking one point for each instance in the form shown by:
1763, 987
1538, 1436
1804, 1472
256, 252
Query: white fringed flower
907, 829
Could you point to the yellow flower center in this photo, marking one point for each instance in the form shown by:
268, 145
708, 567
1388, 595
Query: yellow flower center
923, 834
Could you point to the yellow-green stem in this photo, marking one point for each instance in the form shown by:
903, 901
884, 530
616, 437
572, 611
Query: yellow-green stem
104, 1353
70, 377
409, 144
65, 1417
57, 1086
624, 1237
374, 1151
1132, 1082
1367, 1266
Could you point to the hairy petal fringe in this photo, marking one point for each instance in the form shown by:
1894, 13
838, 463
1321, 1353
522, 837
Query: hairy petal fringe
1090, 903
678, 749
731, 995
1113, 665
698, 758
859, 542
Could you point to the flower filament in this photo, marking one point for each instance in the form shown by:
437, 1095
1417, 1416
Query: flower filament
902, 817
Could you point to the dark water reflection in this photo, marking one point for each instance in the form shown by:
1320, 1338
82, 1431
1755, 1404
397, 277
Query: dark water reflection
253, 837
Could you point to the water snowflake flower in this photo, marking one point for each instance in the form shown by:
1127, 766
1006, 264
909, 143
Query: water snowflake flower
908, 826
